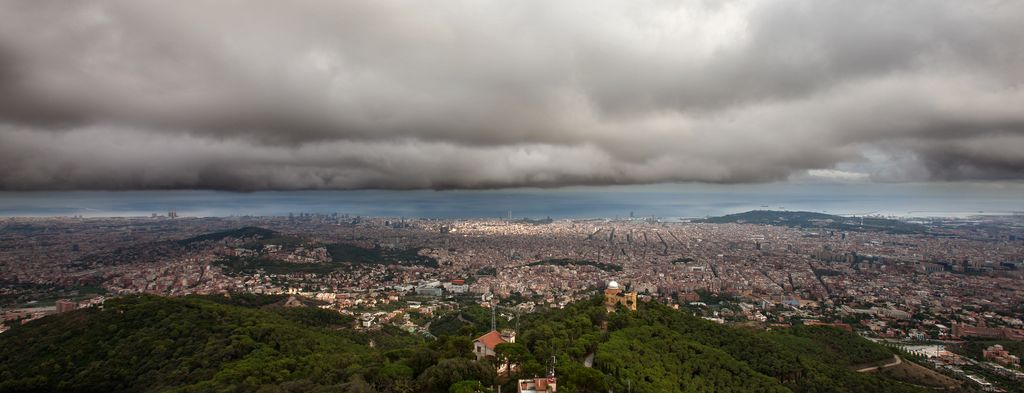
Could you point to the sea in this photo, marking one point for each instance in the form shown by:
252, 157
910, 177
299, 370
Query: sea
663, 201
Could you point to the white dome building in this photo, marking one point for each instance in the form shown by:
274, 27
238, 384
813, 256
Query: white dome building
613, 297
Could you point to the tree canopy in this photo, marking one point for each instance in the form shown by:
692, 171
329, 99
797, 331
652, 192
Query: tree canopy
250, 343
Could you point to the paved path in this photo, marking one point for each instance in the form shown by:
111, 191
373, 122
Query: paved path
895, 362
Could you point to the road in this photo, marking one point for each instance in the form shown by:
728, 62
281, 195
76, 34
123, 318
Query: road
895, 362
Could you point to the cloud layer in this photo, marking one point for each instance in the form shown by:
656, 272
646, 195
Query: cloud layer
309, 94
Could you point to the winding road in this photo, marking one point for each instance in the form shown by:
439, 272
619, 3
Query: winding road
895, 362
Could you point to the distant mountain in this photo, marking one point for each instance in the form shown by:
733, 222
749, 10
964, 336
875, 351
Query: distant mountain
249, 343
799, 219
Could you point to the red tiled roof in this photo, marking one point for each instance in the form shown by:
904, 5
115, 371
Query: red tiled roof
491, 339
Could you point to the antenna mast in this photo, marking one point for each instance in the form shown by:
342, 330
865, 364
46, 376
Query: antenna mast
494, 325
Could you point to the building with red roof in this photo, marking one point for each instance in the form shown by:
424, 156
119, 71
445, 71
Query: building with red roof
483, 346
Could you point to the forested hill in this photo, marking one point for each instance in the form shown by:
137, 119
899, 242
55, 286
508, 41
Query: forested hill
801, 219
252, 343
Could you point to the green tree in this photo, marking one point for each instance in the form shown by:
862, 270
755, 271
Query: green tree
393, 377
439, 377
467, 387
511, 353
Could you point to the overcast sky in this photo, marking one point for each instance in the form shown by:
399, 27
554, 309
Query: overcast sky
250, 95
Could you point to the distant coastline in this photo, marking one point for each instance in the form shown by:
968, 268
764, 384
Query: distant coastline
667, 202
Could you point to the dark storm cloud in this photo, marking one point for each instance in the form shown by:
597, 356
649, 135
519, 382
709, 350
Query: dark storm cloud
398, 94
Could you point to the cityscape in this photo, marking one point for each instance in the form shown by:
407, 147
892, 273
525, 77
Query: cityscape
930, 287
493, 196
